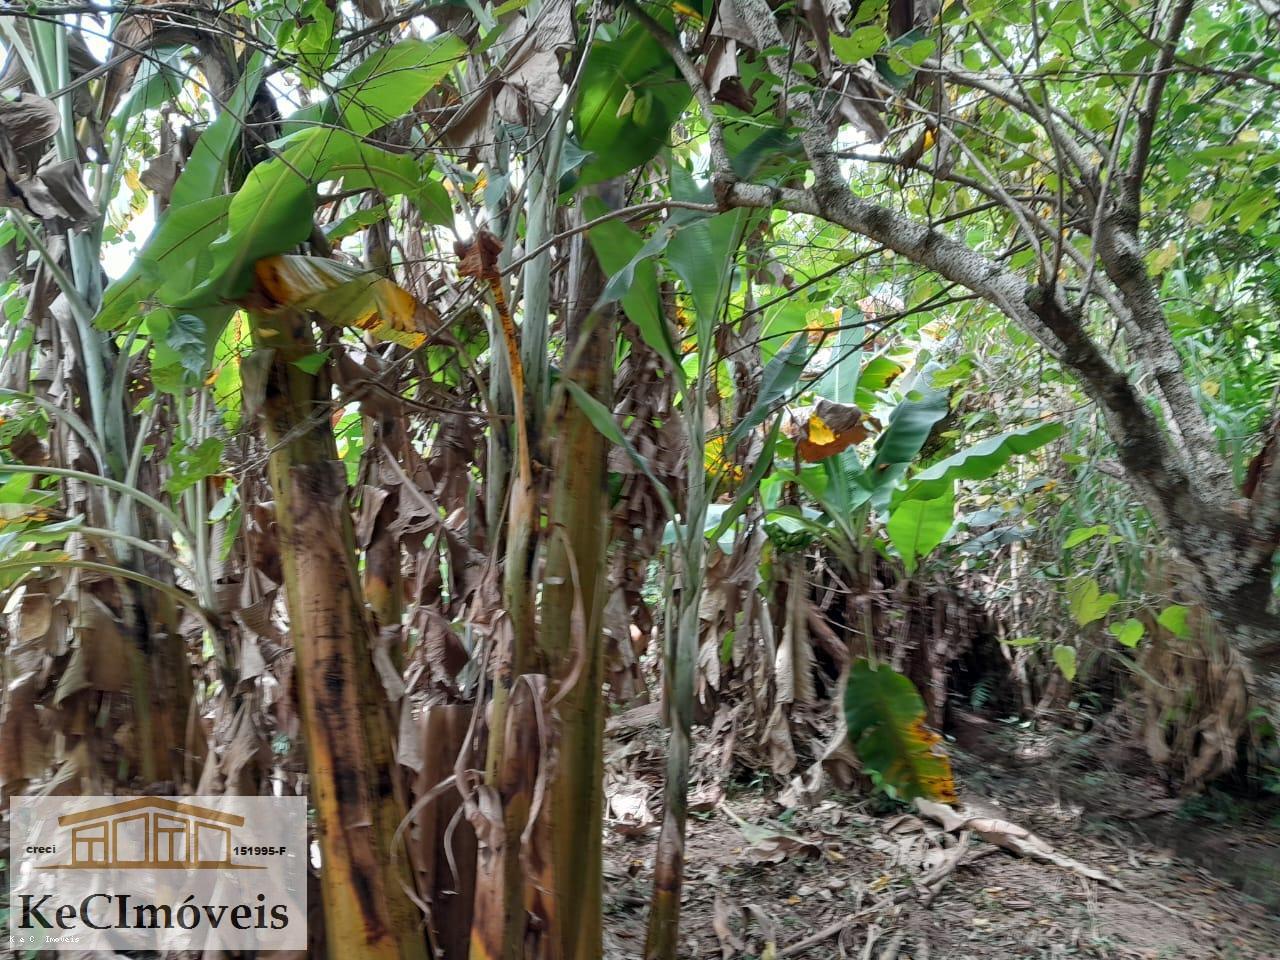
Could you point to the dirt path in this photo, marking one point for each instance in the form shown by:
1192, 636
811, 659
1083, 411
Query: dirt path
841, 859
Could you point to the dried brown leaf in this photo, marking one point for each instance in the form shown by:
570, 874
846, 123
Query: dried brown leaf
1009, 836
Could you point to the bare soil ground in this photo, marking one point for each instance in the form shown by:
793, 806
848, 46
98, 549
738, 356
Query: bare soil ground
850, 858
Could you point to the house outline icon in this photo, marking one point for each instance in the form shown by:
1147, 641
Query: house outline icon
151, 833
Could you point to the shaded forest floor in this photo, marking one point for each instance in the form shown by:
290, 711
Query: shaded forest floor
1197, 878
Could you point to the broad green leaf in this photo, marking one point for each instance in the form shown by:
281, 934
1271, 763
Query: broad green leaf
13, 571
204, 175
52, 532
840, 382
622, 280
1174, 619
701, 250
773, 152
876, 375
898, 65
188, 338
272, 212
840, 493
183, 343
355, 222
222, 509
726, 646
1086, 603
305, 29
868, 11
432, 200
916, 527
958, 372
780, 376
917, 53
390, 82
1018, 133
322, 113
1081, 534
234, 343
1099, 117
14, 489
619, 73
859, 45
182, 234
701, 254
192, 465
363, 167
904, 436
1021, 642
312, 363
634, 280
1127, 633
884, 716
1065, 657
980, 461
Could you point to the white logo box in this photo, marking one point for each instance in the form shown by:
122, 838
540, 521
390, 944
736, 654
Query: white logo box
158, 873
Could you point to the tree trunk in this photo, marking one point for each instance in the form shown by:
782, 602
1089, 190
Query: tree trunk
445, 843
367, 912
661, 942
499, 926
571, 642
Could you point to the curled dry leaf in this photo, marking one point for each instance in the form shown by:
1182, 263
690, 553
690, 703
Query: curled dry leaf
81, 61
52, 191
730, 945
729, 33
827, 428
28, 120
518, 89
343, 295
56, 192
903, 823
36, 628
770, 844
478, 257
706, 798
1009, 836
100, 657
629, 808
530, 81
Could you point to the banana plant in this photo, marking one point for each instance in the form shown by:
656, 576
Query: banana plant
700, 252
214, 252
111, 486
913, 504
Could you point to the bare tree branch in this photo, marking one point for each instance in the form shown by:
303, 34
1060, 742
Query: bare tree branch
1131, 198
